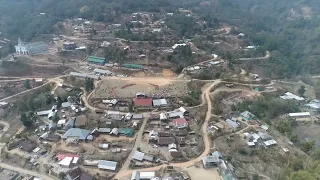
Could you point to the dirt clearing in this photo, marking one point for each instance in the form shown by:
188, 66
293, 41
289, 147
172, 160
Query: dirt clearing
203, 174
128, 88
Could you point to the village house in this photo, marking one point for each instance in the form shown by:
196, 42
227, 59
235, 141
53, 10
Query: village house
314, 104
107, 165
143, 102
78, 174
213, 160
67, 160
76, 134
248, 116
137, 175
102, 72
300, 115
180, 123
97, 60
289, 95
159, 102
47, 136
140, 156
69, 45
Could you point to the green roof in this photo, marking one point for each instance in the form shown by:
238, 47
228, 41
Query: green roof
96, 59
133, 66
126, 131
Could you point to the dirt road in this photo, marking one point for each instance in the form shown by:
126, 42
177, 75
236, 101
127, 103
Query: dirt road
126, 164
205, 96
25, 171
267, 56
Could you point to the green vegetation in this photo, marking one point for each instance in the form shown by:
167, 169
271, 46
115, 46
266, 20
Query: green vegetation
114, 53
286, 127
27, 84
28, 119
301, 90
89, 84
181, 57
193, 98
267, 107
42, 99
183, 25
299, 168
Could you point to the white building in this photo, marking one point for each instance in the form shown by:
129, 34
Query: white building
30, 48
289, 95
300, 115
177, 45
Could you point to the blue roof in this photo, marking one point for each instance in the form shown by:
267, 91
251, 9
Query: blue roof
81, 134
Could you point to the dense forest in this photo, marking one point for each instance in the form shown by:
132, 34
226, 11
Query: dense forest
288, 28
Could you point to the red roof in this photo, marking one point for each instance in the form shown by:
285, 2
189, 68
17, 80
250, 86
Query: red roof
62, 156
180, 121
143, 102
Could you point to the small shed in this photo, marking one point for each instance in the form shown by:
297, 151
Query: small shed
137, 117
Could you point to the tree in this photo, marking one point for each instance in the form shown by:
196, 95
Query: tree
59, 102
297, 164
89, 84
308, 146
255, 177
27, 121
11, 48
316, 154
84, 11
302, 90
299, 175
27, 84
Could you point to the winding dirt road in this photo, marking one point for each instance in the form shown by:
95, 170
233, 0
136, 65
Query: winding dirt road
267, 56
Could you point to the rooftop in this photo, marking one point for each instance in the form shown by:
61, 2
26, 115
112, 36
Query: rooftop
248, 115
180, 121
289, 95
109, 165
159, 102
315, 104
81, 134
96, 59
137, 116
138, 156
299, 114
145, 102
232, 124
104, 130
102, 71
137, 175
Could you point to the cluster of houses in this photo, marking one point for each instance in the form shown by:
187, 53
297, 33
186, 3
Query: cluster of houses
142, 100
259, 139
69, 163
74, 135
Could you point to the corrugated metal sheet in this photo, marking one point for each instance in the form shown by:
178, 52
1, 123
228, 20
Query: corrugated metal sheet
95, 59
